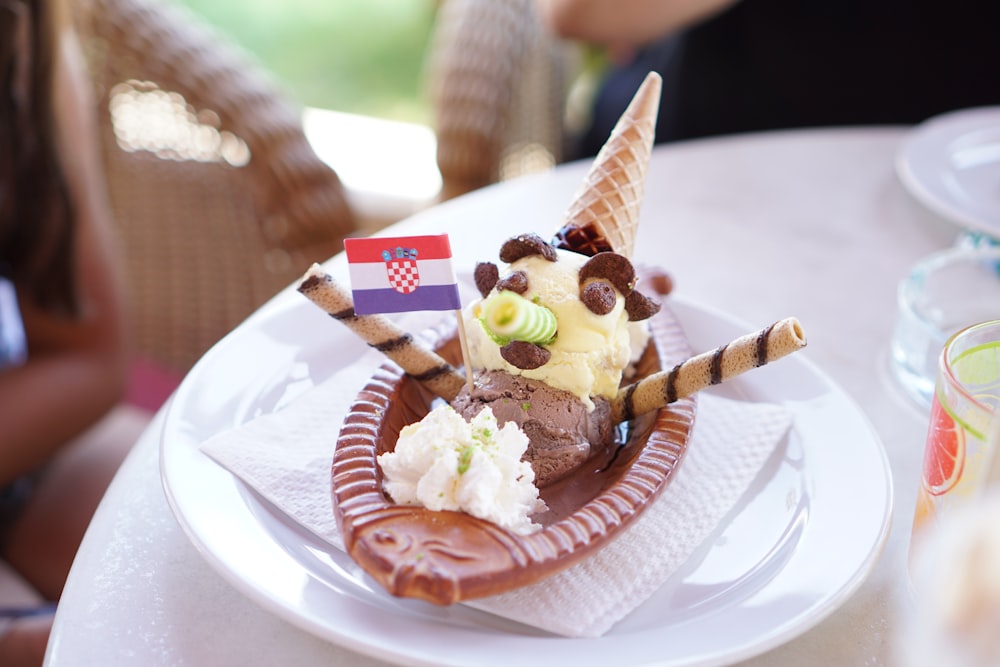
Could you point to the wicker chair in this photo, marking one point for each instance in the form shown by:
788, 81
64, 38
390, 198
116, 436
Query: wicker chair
498, 86
219, 199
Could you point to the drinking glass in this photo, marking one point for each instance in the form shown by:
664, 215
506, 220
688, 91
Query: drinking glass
945, 292
966, 398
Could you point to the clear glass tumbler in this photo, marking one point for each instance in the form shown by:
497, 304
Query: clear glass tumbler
947, 291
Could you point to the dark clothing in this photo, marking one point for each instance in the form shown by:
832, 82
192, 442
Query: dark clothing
772, 64
13, 499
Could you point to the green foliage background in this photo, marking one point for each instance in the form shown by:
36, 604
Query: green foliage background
359, 56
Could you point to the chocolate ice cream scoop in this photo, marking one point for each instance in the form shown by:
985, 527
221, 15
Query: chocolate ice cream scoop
562, 432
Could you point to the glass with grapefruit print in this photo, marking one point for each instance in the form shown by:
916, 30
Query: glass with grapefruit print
966, 397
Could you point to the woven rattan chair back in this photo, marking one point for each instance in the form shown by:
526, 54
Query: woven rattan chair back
498, 86
219, 200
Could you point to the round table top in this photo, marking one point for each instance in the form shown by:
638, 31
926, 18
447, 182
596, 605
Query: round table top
810, 223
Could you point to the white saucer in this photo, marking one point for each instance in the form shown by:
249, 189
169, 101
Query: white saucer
795, 548
951, 164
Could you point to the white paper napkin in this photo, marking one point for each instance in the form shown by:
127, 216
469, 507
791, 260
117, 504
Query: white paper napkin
286, 456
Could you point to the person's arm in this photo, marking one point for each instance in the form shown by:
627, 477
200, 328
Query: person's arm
624, 22
75, 370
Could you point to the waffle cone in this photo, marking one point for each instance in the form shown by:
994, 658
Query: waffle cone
604, 215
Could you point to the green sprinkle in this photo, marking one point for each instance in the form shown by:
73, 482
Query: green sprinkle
526, 406
465, 458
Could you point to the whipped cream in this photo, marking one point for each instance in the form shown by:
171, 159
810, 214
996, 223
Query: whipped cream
444, 462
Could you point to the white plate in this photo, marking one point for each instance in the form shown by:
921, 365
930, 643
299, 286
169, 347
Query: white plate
797, 546
951, 163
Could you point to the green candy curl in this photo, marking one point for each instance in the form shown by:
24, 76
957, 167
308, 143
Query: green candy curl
508, 316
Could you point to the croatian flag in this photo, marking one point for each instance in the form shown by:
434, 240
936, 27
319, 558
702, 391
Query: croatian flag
397, 274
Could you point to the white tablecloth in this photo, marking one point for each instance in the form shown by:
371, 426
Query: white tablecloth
807, 223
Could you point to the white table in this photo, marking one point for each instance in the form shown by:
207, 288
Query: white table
808, 223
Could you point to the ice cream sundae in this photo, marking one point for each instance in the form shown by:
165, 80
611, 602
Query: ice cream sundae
551, 341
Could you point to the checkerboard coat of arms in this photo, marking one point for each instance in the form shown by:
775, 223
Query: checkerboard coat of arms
401, 268
401, 274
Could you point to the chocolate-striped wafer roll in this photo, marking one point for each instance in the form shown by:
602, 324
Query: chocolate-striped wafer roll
419, 362
741, 355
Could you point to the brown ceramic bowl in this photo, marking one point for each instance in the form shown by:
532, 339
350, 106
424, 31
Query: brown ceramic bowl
447, 557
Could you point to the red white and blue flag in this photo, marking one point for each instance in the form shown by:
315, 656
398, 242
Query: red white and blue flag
403, 273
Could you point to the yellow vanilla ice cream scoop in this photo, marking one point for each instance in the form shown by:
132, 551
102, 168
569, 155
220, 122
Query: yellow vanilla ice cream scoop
589, 351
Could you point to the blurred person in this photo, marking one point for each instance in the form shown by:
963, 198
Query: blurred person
63, 347
732, 66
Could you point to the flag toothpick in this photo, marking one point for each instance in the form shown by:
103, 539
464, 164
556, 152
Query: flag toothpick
393, 275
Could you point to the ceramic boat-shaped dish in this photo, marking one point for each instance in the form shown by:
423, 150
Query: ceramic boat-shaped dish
447, 557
